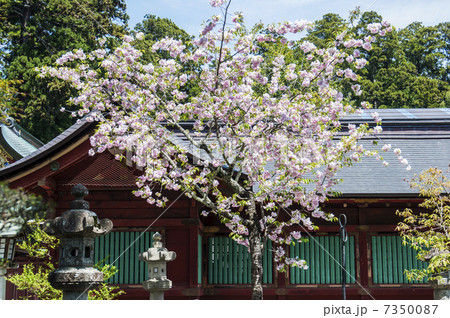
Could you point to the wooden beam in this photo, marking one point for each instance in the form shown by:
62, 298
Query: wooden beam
143, 223
48, 185
46, 163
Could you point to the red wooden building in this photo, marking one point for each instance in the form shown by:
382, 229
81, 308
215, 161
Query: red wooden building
208, 264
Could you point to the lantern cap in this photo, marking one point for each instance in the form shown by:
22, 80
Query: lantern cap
79, 191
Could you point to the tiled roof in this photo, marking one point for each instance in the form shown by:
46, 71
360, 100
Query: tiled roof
423, 135
67, 137
16, 141
405, 114
370, 177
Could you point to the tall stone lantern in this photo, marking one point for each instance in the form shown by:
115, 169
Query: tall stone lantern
441, 287
77, 229
156, 258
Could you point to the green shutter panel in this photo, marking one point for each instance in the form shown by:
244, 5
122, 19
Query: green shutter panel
122, 250
199, 259
390, 258
229, 262
323, 255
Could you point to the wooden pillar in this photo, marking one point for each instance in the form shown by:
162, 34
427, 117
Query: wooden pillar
363, 247
194, 258
281, 278
364, 265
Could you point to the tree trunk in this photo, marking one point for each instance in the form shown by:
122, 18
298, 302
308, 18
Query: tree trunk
256, 246
26, 12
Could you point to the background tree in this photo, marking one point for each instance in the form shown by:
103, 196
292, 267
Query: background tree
444, 36
154, 29
33, 34
325, 30
18, 206
424, 47
263, 143
406, 68
7, 96
428, 230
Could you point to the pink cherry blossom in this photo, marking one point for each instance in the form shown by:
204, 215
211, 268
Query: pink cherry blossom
374, 27
216, 3
386, 147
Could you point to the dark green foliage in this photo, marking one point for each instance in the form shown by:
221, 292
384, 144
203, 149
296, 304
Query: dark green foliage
444, 36
424, 48
35, 33
155, 29
326, 30
38, 107
400, 87
17, 207
407, 68
8, 94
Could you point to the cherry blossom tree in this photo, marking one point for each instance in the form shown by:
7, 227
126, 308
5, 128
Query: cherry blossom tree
260, 138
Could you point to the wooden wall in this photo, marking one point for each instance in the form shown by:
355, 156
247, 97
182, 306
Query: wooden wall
186, 232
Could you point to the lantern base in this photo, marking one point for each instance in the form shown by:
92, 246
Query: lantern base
161, 285
75, 282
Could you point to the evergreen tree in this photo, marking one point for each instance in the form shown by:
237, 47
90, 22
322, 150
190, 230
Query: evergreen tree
407, 68
424, 47
35, 33
154, 29
326, 30
444, 36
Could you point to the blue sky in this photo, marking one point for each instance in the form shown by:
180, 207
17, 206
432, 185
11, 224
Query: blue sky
189, 14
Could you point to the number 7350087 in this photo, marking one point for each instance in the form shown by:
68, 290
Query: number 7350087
410, 309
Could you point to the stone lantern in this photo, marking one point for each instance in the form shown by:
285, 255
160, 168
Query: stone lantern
441, 287
7, 244
77, 229
156, 258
